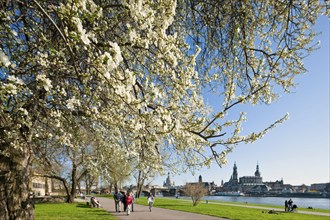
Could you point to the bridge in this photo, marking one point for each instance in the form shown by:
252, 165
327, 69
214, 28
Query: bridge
163, 191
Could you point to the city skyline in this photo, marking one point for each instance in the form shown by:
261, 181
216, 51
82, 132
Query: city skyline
298, 149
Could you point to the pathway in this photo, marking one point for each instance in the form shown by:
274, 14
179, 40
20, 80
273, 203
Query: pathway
142, 212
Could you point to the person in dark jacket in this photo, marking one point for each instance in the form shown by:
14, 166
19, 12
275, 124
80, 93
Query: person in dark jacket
118, 198
124, 201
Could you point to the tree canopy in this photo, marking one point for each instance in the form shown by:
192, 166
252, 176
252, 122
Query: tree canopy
133, 74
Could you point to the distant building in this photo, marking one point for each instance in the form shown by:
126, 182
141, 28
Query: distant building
275, 187
210, 186
168, 182
40, 186
259, 189
232, 184
301, 188
246, 184
319, 187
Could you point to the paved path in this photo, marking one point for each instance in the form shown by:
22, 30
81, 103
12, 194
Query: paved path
142, 212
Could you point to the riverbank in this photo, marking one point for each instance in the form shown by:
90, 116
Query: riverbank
293, 195
314, 203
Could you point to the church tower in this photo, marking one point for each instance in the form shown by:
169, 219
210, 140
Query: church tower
200, 180
257, 173
168, 181
235, 175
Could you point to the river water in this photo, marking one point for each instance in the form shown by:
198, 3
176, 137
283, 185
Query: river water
321, 203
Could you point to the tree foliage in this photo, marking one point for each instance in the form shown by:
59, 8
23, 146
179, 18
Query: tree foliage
140, 69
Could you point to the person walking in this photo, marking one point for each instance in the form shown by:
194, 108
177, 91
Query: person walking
151, 200
286, 205
117, 197
290, 202
124, 201
129, 202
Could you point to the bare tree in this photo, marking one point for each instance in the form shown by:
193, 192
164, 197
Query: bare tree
196, 191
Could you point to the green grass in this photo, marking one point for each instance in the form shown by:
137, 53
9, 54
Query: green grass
65, 211
270, 206
226, 211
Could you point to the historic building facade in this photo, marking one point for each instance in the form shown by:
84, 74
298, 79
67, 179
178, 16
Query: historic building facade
232, 184
245, 184
168, 182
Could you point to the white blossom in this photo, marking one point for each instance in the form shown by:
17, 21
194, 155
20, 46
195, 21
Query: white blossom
4, 59
72, 103
44, 82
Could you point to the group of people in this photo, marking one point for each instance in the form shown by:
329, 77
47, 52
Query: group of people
126, 199
289, 206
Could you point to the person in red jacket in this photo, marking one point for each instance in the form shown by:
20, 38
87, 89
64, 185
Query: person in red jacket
129, 201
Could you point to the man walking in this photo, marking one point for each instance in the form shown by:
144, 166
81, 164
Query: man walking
117, 197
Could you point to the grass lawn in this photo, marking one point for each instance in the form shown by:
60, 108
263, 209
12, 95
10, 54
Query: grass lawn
271, 206
225, 211
65, 211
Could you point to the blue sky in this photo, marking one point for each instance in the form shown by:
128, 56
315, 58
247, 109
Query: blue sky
298, 150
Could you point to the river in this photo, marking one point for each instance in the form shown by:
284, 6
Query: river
321, 203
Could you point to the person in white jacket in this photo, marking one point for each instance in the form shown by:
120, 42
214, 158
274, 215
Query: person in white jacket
151, 200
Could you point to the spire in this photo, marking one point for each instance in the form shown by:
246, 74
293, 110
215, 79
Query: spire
200, 179
257, 173
235, 175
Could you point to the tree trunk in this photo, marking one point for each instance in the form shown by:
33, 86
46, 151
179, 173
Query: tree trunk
15, 169
65, 184
47, 189
110, 187
73, 183
87, 183
140, 183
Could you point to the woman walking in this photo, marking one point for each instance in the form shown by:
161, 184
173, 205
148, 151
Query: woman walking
129, 201
150, 201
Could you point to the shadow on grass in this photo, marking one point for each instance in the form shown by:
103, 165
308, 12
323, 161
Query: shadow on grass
81, 205
93, 211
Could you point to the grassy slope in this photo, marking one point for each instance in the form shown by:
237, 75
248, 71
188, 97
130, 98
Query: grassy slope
65, 211
225, 211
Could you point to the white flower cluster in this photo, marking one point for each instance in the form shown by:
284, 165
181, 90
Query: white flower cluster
110, 60
82, 32
44, 82
4, 59
72, 103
